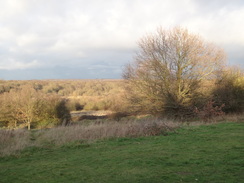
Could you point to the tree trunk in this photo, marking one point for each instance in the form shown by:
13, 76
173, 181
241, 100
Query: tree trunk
28, 124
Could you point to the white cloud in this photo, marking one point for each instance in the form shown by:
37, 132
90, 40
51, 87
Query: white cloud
222, 26
12, 64
27, 40
12, 7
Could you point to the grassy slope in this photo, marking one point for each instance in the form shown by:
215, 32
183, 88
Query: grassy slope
213, 153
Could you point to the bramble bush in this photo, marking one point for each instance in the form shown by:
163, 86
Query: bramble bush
209, 111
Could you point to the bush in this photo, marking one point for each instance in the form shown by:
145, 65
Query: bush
209, 111
74, 105
230, 90
54, 112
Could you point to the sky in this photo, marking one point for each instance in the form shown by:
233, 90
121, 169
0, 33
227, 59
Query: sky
95, 39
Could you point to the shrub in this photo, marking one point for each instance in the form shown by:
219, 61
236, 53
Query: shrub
230, 90
54, 112
74, 105
209, 111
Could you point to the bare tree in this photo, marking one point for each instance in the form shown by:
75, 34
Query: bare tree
169, 67
22, 105
28, 107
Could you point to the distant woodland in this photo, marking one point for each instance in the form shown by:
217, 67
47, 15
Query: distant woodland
42, 103
47, 103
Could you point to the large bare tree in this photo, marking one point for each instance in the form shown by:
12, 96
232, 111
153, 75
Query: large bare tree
168, 68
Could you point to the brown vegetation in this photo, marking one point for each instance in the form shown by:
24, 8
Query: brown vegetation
175, 74
41, 104
168, 70
13, 141
209, 112
104, 130
82, 94
229, 90
50, 109
27, 107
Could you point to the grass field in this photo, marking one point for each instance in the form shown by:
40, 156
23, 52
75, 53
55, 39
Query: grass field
208, 153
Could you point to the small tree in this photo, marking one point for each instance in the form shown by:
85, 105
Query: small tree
20, 106
168, 69
28, 107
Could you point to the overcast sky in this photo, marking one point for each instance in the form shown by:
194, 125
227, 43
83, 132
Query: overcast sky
80, 39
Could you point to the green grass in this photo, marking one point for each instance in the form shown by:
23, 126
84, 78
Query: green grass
213, 153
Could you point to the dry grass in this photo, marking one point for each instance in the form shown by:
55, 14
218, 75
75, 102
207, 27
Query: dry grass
12, 141
234, 117
95, 131
223, 118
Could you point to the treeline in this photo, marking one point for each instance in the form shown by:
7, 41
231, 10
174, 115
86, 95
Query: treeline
80, 94
46, 103
66, 87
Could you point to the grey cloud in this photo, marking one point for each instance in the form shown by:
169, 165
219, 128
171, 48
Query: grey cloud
218, 4
235, 54
62, 73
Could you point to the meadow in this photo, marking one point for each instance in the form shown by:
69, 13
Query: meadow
195, 153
